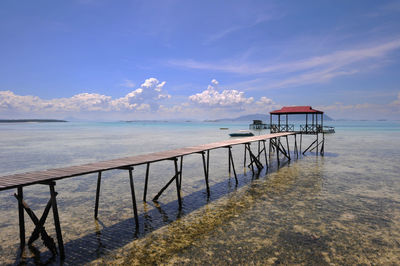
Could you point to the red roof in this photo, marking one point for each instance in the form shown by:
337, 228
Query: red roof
296, 110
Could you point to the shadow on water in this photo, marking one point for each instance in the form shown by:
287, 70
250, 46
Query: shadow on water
109, 238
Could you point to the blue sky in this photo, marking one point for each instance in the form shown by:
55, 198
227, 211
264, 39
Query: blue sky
198, 59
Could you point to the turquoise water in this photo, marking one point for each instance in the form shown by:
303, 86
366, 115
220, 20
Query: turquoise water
343, 208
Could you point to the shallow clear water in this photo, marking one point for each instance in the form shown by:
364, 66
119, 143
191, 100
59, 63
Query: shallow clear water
343, 208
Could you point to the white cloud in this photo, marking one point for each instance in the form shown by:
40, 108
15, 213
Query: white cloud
149, 93
265, 101
226, 99
146, 98
214, 82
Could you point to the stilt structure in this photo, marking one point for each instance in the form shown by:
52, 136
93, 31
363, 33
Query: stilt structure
313, 126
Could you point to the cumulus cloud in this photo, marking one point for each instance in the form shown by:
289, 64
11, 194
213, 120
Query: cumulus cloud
265, 101
146, 98
149, 93
211, 97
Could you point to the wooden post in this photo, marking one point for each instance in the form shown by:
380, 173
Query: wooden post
231, 162
56, 220
96, 206
287, 143
146, 182
244, 159
265, 155
277, 149
21, 218
135, 213
301, 140
178, 185
205, 167
251, 162
180, 172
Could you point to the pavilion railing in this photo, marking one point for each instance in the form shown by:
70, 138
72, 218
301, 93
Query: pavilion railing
311, 129
282, 128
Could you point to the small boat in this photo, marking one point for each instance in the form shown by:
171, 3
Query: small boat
241, 133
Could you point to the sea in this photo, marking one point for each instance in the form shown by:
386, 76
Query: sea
342, 208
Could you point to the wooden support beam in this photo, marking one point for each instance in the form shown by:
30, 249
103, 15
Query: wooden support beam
47, 240
247, 145
40, 225
206, 169
57, 220
283, 150
244, 159
176, 177
288, 149
164, 188
180, 172
96, 206
21, 218
323, 144
265, 155
277, 149
135, 213
309, 147
178, 183
254, 160
146, 181
301, 140
233, 165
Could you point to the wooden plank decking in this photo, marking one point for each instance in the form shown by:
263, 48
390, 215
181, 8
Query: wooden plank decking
30, 178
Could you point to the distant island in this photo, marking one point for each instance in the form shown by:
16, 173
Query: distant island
30, 120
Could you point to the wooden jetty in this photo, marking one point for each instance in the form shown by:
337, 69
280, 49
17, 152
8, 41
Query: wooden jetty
48, 177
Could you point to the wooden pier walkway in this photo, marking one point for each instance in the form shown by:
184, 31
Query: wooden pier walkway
48, 177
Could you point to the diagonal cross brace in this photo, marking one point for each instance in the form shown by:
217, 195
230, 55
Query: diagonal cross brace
178, 178
39, 224
254, 159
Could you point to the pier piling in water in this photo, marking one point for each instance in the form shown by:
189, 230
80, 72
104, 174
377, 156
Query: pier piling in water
48, 177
